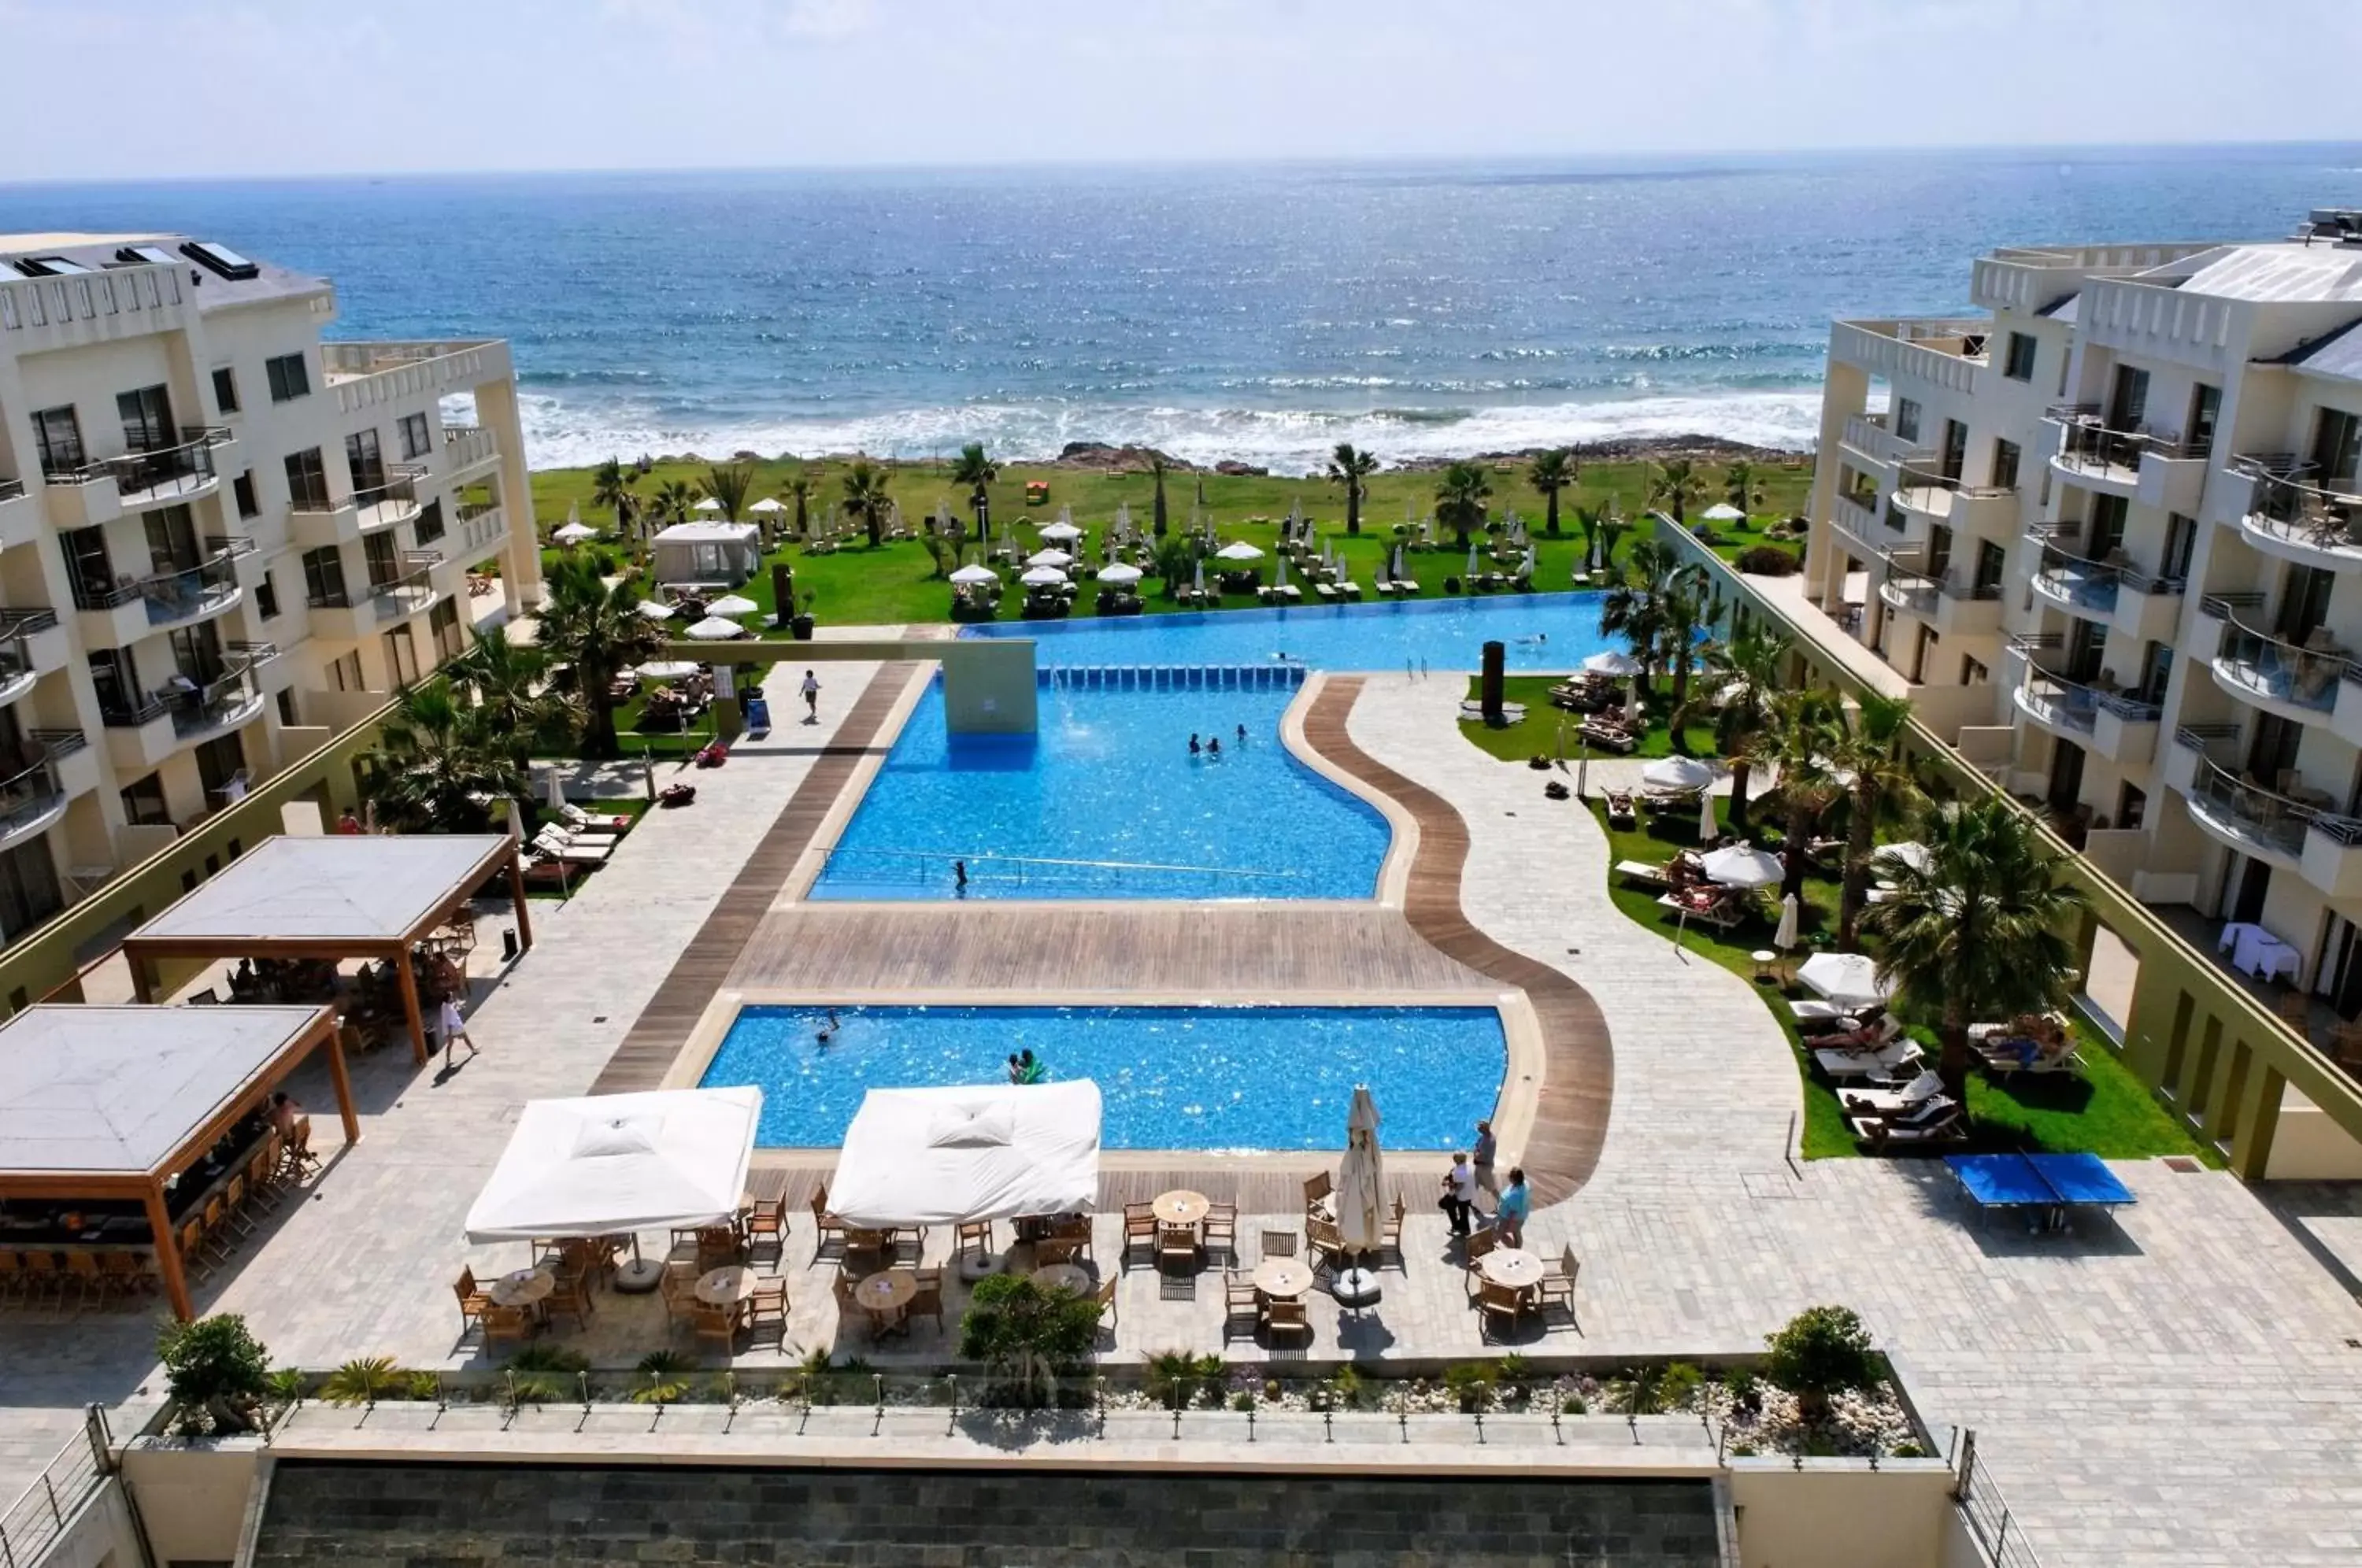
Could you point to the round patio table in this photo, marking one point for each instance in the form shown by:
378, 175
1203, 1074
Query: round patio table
1512, 1266
1181, 1206
1062, 1276
726, 1286
523, 1288
1285, 1278
887, 1291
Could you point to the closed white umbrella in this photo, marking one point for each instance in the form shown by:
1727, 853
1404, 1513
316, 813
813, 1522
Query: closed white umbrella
1062, 532
1120, 576
1279, 572
731, 604
553, 789
656, 612
1613, 663
1043, 577
1677, 773
714, 629
1239, 551
1471, 570
1058, 558
574, 532
1122, 518
975, 576
1743, 866
1197, 576
1785, 937
1849, 980
1360, 1197
1708, 829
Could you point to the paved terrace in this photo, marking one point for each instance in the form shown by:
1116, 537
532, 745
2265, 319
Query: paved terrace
2177, 1389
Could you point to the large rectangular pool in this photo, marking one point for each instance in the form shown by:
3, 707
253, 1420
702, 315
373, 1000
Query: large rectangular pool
1227, 1078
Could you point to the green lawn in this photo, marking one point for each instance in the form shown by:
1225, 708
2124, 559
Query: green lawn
895, 583
1539, 733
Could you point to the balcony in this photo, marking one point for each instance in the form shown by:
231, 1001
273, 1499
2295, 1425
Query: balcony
2314, 522
1867, 436
2299, 833
1937, 352
20, 514
143, 731
100, 491
1945, 601
2093, 455
1938, 498
117, 615
347, 614
32, 644
317, 523
2118, 726
224, 704
2117, 592
32, 796
468, 449
365, 376
2297, 682
1856, 525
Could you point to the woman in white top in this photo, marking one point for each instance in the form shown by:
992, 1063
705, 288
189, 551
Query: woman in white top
455, 1029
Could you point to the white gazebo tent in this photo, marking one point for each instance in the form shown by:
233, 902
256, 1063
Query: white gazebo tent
616, 1164
938, 1156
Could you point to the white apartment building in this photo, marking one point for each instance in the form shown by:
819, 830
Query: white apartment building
221, 538
2111, 535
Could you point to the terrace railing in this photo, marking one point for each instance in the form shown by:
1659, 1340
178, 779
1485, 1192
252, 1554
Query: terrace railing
2265, 815
2291, 502
1982, 1509
2283, 671
2088, 445
33, 1523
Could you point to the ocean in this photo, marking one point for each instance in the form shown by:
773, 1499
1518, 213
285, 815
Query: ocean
1256, 313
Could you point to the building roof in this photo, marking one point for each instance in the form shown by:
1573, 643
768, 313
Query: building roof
2282, 273
2065, 310
2339, 354
708, 534
103, 253
117, 1090
365, 889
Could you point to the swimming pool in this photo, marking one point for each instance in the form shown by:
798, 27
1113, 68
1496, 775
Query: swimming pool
1448, 633
1229, 1079
1106, 801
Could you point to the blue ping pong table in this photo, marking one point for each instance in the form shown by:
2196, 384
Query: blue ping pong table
2051, 1183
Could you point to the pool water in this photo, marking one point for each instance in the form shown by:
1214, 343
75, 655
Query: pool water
1106, 803
1233, 1079
1447, 634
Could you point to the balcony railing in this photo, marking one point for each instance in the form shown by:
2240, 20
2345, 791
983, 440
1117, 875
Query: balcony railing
1917, 591
17, 629
2292, 504
11, 489
2088, 445
208, 585
167, 472
209, 707
128, 712
31, 792
2094, 585
2265, 816
1911, 477
2285, 673
2226, 606
2058, 701
465, 445
403, 596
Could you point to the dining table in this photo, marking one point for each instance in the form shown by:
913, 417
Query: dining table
1283, 1279
1181, 1206
883, 1296
1512, 1266
526, 1287
732, 1285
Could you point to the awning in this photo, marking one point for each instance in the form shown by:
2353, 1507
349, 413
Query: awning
609, 1164
938, 1156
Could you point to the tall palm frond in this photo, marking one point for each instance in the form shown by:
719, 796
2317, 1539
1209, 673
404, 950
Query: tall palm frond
1549, 473
1351, 467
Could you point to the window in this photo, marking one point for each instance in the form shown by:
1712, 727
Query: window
288, 378
2180, 535
28, 891
242, 487
2336, 447
266, 598
414, 437
2128, 406
88, 566
197, 653
2205, 410
323, 579
146, 419
443, 626
143, 803
58, 432
1993, 562
1974, 672
377, 551
2107, 530
2006, 457
1939, 550
220, 762
115, 674
2156, 672
1955, 448
307, 480
347, 671
430, 522
225, 389
2019, 364
287, 708
172, 535
1906, 419
2132, 806
365, 461
401, 655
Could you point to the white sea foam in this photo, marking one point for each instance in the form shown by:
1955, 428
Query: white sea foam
567, 433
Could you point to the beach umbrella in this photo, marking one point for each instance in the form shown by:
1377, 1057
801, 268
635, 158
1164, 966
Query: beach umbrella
1594, 556
1470, 570
1849, 980
553, 789
1742, 866
770, 506
1119, 576
1723, 511
1122, 519
731, 604
574, 534
1062, 532
714, 629
1360, 1187
656, 612
1058, 558
1785, 937
1239, 551
708, 505
1677, 773
1279, 573
669, 670
1067, 517
1915, 855
1043, 577
1199, 577
1708, 829
975, 576
1395, 572
1613, 663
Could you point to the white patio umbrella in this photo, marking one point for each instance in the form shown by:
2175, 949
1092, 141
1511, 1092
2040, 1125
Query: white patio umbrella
731, 604
1741, 865
656, 612
1723, 511
1239, 550
708, 505
1062, 532
1198, 576
1043, 577
1613, 663
1119, 576
1470, 569
1915, 855
1708, 829
1849, 980
553, 789
1066, 516
1279, 572
768, 506
975, 576
1533, 561
1677, 773
620, 1163
1360, 1197
714, 629
1785, 937
1057, 558
669, 670
574, 532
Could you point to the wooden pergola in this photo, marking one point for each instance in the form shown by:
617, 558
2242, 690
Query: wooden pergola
336, 897
113, 1103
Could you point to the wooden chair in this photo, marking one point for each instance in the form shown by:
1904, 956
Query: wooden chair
571, 1296
1390, 1235
829, 1224
719, 1324
123, 1273
1280, 1243
1177, 1244
849, 1309
506, 1323
234, 1205
81, 1274
1287, 1319
1327, 1243
1499, 1304
193, 1249
768, 1308
1317, 1188
718, 1246
767, 1225
11, 1276
260, 1190
1222, 1230
1477, 1246
1557, 1287
1139, 1230
929, 1298
975, 1239
218, 1239
1105, 1299
1241, 1306
472, 1300
678, 1285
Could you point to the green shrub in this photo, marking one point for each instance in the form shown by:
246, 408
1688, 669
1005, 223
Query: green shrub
216, 1365
1471, 1382
1767, 560
1677, 1385
664, 1379
1746, 1393
1451, 585
1026, 1335
1346, 1388
365, 1380
548, 1358
1821, 1352
1176, 1377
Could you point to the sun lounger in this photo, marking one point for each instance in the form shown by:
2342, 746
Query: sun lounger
1870, 1036
1721, 914
1406, 585
1349, 588
580, 821
1642, 872
1607, 739
552, 843
1818, 1017
1324, 590
1893, 1102
1888, 1060
1936, 1120
1621, 812
1386, 586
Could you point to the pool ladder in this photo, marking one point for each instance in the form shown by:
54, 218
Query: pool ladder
1279, 675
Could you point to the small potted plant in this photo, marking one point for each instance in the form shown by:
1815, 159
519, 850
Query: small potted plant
800, 628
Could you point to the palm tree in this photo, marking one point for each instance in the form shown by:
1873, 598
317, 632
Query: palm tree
505, 683
597, 632
865, 498
1156, 466
1611, 529
1682, 609
1639, 607
1981, 932
611, 486
975, 470
728, 483
1745, 672
1351, 467
440, 762
800, 487
674, 500
1674, 484
1803, 731
1460, 500
1742, 488
1880, 786
1549, 473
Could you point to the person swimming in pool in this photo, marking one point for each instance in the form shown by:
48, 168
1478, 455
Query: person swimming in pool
827, 1031
1214, 747
1029, 1070
1243, 735
1194, 747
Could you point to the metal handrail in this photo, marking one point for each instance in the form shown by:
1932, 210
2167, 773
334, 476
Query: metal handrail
192, 591
1907, 477
2087, 443
2326, 514
2280, 820
191, 458
10, 489
2283, 671
33, 1524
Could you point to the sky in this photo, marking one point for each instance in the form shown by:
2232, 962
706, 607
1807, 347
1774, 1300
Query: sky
243, 88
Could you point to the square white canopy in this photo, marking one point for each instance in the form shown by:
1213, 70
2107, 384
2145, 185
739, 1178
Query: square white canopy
936, 1156
614, 1163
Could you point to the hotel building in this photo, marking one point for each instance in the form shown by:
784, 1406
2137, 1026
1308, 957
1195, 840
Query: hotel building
2109, 536
222, 539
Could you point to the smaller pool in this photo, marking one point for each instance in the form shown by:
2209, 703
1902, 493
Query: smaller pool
1231, 1079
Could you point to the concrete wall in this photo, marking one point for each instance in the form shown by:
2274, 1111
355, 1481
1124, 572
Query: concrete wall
192, 1496
101, 1536
2309, 1147
1840, 1513
988, 687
